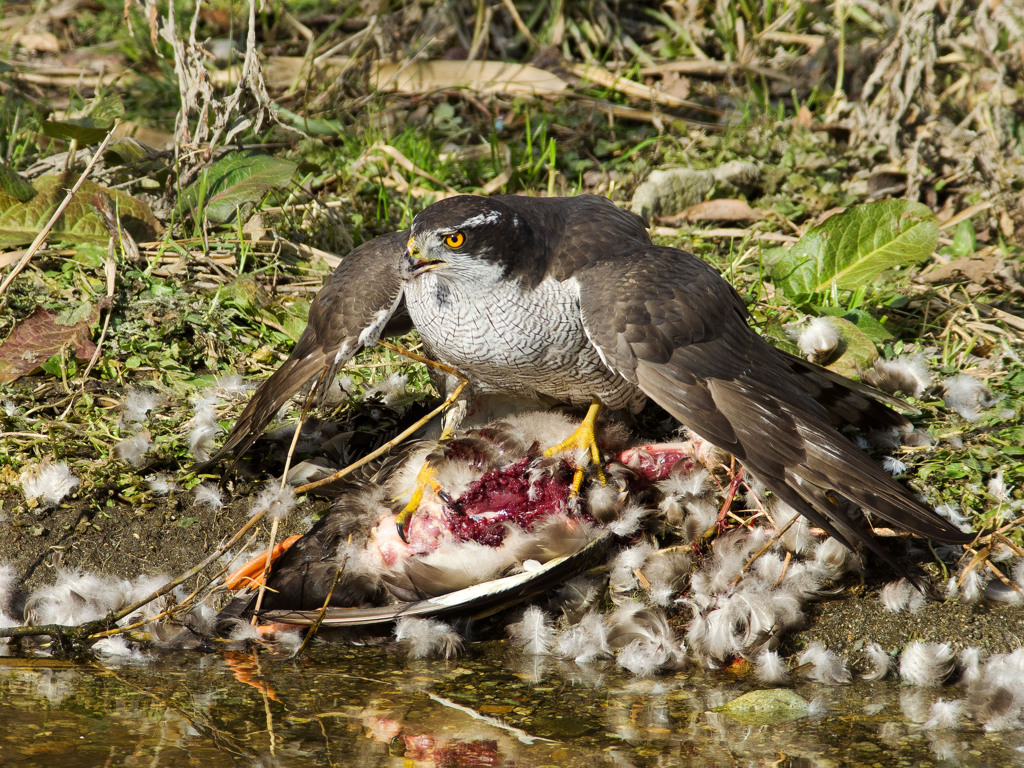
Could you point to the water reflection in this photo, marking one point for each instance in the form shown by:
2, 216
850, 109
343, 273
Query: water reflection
372, 707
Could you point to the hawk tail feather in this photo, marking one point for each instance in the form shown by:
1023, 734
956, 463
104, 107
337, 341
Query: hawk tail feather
271, 395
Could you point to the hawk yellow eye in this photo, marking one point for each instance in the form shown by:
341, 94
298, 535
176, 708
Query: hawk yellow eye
454, 239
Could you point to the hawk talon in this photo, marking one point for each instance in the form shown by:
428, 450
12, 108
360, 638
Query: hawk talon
583, 438
402, 524
424, 479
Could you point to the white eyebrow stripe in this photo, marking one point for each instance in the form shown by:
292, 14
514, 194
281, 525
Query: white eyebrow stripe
480, 219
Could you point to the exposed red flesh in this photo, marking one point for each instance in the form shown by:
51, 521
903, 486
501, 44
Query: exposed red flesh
654, 462
508, 496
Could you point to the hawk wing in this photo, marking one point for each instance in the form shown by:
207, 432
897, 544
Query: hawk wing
667, 322
361, 300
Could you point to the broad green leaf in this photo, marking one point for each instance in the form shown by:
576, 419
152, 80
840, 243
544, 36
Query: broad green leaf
91, 127
12, 185
293, 317
863, 319
81, 222
854, 248
85, 130
234, 184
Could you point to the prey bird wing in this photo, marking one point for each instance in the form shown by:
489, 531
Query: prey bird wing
478, 600
670, 325
360, 301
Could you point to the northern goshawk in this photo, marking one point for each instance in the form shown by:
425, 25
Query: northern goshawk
568, 299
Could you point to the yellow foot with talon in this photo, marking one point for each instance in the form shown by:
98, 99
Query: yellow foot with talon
583, 438
424, 479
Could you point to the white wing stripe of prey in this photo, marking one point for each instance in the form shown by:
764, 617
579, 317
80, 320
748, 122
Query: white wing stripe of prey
497, 586
371, 333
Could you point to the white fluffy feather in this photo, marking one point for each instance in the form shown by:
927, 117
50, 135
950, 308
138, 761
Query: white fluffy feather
826, 666
133, 449
277, 501
770, 668
534, 633
879, 662
208, 495
967, 396
49, 483
138, 403
819, 340
901, 595
428, 638
926, 664
944, 715
585, 641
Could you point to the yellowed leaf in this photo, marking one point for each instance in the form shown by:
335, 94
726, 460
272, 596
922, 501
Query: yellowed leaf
482, 76
727, 209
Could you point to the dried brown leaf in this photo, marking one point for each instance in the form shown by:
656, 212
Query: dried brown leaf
481, 76
727, 209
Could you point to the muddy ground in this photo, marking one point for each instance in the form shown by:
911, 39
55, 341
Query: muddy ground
167, 537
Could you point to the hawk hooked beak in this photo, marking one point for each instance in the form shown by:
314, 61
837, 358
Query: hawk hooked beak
412, 252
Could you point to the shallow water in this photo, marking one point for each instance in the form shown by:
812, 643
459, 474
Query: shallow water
373, 707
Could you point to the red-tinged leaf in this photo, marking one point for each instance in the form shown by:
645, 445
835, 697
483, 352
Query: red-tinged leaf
40, 336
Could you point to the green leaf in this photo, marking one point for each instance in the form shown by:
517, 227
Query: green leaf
292, 317
12, 185
76, 313
854, 248
90, 128
245, 294
107, 107
84, 130
965, 241
863, 319
234, 184
52, 365
858, 351
311, 125
81, 222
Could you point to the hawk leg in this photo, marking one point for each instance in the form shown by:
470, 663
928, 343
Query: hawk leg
425, 479
583, 440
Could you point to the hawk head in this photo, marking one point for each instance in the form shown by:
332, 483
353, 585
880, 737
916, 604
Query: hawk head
466, 235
